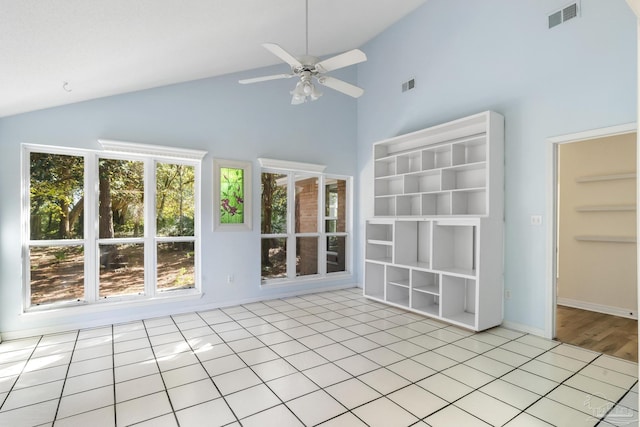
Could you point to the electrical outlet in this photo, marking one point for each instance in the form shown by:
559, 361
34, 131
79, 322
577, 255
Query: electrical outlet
230, 278
507, 294
536, 219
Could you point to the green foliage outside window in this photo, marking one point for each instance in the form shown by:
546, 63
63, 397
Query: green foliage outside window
57, 196
175, 200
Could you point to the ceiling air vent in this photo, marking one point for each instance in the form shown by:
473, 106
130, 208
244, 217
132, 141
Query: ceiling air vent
563, 15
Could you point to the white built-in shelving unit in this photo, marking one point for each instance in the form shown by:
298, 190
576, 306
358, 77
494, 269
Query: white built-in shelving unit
434, 245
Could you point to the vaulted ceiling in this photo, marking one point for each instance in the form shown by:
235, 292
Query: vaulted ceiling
57, 52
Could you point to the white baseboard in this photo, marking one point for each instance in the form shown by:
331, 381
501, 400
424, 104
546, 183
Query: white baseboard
599, 308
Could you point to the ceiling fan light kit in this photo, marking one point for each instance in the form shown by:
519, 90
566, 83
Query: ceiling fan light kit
307, 68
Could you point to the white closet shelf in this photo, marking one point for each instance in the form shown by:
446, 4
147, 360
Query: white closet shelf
380, 242
401, 283
607, 239
417, 264
433, 289
458, 272
607, 208
609, 177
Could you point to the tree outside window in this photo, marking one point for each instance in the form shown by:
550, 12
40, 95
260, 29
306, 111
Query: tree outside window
64, 245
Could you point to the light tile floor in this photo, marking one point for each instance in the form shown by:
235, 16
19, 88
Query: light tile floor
330, 359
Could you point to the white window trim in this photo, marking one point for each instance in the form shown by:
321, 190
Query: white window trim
291, 169
150, 155
286, 165
149, 150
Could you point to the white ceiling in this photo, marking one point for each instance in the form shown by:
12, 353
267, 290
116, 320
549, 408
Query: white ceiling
106, 47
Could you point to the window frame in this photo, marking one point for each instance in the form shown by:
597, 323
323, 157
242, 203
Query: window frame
150, 155
293, 170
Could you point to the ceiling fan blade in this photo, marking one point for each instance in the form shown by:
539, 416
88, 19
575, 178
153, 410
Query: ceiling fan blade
341, 86
351, 57
265, 78
282, 54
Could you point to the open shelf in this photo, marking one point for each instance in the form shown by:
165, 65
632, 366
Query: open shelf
609, 177
398, 295
607, 239
458, 299
385, 206
398, 276
380, 231
374, 280
456, 248
426, 303
409, 162
422, 281
436, 204
381, 253
389, 186
464, 177
469, 202
607, 208
471, 151
422, 182
385, 167
409, 205
412, 245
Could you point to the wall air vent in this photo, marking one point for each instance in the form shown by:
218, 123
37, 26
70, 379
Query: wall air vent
569, 12
408, 85
563, 15
555, 19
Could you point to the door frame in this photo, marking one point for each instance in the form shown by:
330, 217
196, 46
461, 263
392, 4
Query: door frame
552, 208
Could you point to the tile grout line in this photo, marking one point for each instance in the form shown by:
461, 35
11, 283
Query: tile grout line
283, 358
204, 368
618, 402
113, 371
452, 403
155, 359
64, 383
20, 374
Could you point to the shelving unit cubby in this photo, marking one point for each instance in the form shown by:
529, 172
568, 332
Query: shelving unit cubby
434, 245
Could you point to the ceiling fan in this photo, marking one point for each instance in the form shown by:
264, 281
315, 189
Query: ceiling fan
307, 68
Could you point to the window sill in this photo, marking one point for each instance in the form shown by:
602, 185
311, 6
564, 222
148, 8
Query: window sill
73, 308
299, 281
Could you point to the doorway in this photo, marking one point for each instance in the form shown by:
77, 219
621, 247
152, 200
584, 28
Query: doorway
593, 239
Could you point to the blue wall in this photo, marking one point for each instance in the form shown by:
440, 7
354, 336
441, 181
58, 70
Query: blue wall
471, 56
230, 121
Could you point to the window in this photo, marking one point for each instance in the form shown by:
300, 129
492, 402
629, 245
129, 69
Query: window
304, 227
115, 224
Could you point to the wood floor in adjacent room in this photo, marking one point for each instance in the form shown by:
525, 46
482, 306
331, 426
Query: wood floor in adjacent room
612, 335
